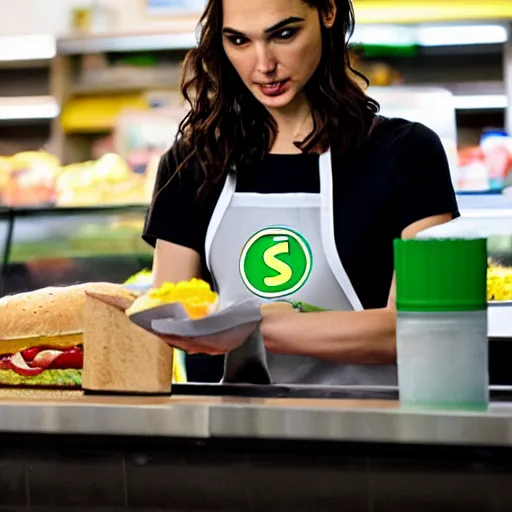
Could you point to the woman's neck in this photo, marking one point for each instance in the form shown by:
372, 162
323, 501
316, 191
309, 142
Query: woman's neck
294, 123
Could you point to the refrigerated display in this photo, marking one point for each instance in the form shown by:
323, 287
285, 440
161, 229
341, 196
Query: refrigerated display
63, 246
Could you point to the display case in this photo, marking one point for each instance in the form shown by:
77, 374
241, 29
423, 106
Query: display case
62, 246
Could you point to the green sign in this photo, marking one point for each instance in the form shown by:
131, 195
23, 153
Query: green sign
275, 262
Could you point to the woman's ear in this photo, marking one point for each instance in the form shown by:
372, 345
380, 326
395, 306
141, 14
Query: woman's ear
329, 15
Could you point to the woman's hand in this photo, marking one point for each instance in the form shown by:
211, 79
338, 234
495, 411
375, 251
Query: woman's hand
229, 340
215, 344
193, 346
277, 317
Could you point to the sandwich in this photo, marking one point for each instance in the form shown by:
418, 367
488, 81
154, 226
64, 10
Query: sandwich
41, 334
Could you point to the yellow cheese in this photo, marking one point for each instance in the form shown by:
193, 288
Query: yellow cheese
499, 283
58, 342
195, 295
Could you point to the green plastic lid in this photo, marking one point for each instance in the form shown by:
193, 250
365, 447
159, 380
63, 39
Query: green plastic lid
441, 275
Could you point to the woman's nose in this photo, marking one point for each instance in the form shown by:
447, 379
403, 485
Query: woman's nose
266, 62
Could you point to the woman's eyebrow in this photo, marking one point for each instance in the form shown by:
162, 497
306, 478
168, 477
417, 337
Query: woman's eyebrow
229, 30
283, 23
277, 26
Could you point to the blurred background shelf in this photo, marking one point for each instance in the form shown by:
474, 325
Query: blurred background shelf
16, 108
27, 50
125, 42
485, 203
27, 107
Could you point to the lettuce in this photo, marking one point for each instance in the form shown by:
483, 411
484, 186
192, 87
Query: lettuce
60, 378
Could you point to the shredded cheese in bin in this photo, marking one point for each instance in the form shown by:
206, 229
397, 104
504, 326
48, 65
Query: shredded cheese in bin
499, 283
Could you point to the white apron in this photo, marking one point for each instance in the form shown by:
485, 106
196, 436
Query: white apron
282, 247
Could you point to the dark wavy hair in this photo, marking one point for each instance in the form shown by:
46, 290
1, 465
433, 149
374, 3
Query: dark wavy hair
228, 128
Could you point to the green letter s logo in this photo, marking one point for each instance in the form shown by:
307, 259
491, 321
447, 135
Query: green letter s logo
275, 262
283, 270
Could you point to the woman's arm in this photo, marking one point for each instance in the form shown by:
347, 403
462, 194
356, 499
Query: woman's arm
173, 263
360, 337
175, 225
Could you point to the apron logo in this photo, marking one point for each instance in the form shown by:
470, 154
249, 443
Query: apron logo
275, 262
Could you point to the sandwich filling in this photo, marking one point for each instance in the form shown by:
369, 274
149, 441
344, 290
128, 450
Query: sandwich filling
60, 358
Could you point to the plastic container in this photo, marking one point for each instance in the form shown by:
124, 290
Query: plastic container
443, 359
442, 345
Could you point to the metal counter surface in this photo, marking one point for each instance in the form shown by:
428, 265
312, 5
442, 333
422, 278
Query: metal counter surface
351, 420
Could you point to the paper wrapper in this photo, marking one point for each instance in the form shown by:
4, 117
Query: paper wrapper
223, 330
121, 357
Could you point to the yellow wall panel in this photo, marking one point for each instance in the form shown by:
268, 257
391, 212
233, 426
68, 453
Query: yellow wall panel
418, 11
97, 113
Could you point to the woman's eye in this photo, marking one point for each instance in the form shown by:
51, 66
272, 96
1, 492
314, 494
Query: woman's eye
286, 33
238, 40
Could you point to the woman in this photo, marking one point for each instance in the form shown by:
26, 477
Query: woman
285, 184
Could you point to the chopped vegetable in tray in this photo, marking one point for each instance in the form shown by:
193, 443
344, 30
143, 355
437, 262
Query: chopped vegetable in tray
499, 282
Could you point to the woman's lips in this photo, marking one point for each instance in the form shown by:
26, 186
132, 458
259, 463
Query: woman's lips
274, 88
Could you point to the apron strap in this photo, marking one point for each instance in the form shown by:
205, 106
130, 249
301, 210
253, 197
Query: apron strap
220, 209
328, 234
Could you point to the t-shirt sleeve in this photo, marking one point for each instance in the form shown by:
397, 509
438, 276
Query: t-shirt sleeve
426, 187
173, 215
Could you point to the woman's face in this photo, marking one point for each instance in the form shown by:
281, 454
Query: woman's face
274, 45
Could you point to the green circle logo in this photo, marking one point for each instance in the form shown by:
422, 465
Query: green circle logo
275, 262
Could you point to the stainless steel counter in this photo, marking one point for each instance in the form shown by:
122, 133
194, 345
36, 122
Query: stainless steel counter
47, 412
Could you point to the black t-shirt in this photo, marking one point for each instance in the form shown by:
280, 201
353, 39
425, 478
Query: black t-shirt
401, 175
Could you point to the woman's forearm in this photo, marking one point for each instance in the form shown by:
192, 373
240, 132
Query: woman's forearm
173, 263
351, 337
